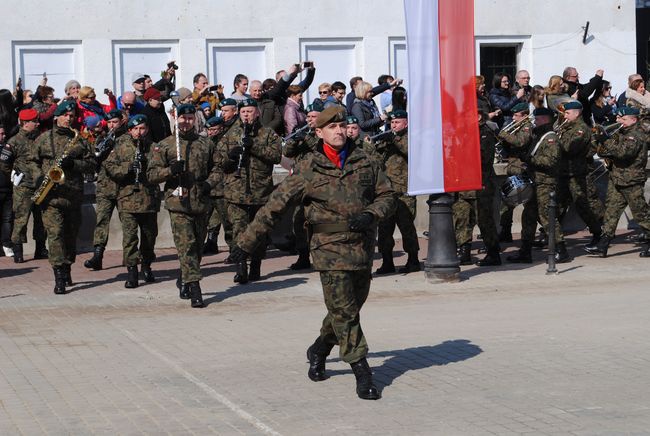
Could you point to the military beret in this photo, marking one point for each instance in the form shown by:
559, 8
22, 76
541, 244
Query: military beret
65, 106
520, 107
115, 113
398, 114
351, 119
27, 115
247, 102
205, 105
186, 109
227, 102
313, 108
213, 121
573, 104
92, 121
627, 110
136, 120
543, 111
333, 114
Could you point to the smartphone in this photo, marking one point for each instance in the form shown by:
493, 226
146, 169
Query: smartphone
44, 74
307, 64
106, 91
214, 88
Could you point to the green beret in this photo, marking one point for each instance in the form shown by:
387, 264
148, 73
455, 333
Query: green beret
186, 109
136, 120
398, 114
227, 102
543, 111
313, 108
627, 110
115, 113
333, 114
65, 106
520, 107
247, 102
213, 121
351, 119
573, 104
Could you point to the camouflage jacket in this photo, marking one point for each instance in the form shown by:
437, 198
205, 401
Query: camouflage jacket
298, 149
132, 198
217, 191
394, 154
547, 158
199, 167
254, 183
107, 187
628, 151
330, 195
24, 157
575, 143
517, 144
49, 147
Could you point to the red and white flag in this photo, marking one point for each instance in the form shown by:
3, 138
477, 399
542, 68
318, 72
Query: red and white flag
444, 143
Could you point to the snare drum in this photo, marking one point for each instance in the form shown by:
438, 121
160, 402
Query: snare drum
517, 190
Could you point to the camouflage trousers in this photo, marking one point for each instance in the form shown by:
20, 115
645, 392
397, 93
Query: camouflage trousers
404, 218
219, 218
147, 224
23, 208
468, 212
62, 224
595, 202
299, 229
104, 209
574, 189
345, 292
241, 215
620, 196
543, 194
189, 236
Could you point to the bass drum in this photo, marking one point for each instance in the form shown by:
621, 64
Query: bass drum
517, 190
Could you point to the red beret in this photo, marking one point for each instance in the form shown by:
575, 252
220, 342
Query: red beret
27, 115
151, 93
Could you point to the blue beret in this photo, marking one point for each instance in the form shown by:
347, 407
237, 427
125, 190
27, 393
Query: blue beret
213, 121
227, 102
247, 102
205, 105
520, 107
65, 106
136, 120
92, 121
115, 113
313, 108
352, 119
398, 114
627, 110
186, 109
573, 104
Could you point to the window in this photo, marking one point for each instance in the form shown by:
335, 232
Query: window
498, 59
145, 57
229, 58
398, 59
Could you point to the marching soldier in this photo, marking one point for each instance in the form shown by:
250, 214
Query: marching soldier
344, 193
246, 154
188, 183
395, 164
138, 201
627, 150
106, 190
24, 166
62, 149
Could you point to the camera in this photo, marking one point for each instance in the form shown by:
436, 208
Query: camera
307, 64
107, 91
172, 64
214, 88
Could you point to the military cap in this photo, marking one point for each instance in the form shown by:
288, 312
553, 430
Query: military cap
205, 105
351, 119
65, 106
227, 102
27, 115
573, 104
398, 114
213, 121
333, 114
247, 102
151, 93
627, 110
136, 120
543, 111
115, 113
313, 108
186, 109
520, 107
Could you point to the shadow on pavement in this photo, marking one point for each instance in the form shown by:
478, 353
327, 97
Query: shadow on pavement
248, 288
12, 272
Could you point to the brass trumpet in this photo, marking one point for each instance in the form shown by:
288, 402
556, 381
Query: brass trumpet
55, 175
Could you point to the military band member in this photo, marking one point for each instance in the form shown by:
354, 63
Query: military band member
138, 201
64, 148
344, 193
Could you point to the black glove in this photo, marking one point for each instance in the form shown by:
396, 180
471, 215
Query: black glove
300, 136
247, 142
361, 222
205, 188
235, 153
67, 163
238, 255
135, 167
177, 167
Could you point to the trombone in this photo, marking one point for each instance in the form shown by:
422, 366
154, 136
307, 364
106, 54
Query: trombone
511, 128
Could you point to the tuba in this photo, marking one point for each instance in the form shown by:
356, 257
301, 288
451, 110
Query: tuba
55, 174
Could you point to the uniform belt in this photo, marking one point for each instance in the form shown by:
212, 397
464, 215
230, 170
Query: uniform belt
330, 228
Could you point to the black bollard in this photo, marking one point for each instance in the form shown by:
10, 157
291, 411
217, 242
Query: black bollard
442, 264
552, 211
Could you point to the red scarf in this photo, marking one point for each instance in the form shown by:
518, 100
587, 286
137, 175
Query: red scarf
336, 157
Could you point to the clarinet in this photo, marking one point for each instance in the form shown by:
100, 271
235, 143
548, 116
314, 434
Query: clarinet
138, 168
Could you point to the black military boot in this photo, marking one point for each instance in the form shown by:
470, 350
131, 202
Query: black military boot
211, 246
228, 260
465, 254
147, 274
412, 265
95, 262
317, 355
67, 268
40, 252
254, 273
492, 258
195, 294
646, 252
600, 249
132, 277
302, 262
524, 255
505, 235
241, 276
387, 265
366, 390
561, 254
542, 240
59, 280
183, 289
18, 253
595, 239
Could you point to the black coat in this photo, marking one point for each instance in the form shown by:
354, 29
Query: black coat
159, 126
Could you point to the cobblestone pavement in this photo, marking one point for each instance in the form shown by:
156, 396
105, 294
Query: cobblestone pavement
508, 350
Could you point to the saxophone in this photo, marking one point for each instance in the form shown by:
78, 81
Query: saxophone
55, 174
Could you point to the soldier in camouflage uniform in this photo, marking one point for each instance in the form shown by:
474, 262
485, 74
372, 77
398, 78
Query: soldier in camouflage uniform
394, 153
575, 142
22, 148
246, 155
106, 190
477, 207
138, 201
298, 148
62, 205
627, 150
344, 193
188, 183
